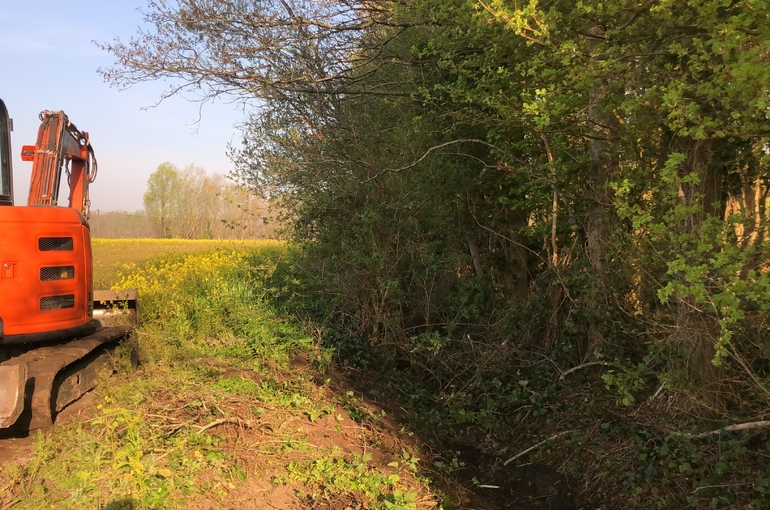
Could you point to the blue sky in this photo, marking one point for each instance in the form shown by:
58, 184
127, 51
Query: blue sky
48, 62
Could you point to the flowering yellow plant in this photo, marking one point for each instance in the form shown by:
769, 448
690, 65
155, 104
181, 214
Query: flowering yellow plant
199, 294
163, 278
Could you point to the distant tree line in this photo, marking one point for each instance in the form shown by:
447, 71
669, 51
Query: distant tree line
120, 224
190, 204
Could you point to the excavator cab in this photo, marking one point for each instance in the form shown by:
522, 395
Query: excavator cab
6, 182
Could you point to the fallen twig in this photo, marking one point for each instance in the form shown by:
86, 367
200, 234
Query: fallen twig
163, 454
223, 421
737, 427
660, 389
721, 486
535, 447
161, 416
11, 503
284, 424
586, 365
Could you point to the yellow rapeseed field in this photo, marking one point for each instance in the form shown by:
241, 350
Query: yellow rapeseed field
111, 255
166, 275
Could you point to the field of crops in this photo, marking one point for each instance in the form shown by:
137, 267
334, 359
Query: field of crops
110, 255
232, 406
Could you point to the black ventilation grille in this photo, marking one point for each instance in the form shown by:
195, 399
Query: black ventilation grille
57, 302
57, 273
55, 244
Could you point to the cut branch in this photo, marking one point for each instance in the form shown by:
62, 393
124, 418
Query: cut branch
224, 421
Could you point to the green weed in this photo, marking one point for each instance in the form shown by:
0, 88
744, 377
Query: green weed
332, 475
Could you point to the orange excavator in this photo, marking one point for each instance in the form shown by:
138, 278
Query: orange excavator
56, 332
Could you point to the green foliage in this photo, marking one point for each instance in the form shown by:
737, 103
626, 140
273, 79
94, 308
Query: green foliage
626, 383
215, 299
476, 184
715, 474
160, 200
331, 475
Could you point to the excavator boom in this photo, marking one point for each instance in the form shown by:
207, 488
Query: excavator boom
60, 145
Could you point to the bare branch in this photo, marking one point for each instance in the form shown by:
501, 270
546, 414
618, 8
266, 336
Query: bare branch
223, 421
441, 146
256, 50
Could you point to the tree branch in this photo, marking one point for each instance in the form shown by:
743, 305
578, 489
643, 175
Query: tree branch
441, 146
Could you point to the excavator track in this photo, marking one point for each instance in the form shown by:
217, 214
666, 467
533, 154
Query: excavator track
42, 382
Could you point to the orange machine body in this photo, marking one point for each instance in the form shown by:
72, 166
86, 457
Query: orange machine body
45, 271
53, 344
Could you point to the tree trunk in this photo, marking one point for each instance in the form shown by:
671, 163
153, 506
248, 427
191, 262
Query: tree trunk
602, 166
696, 330
695, 343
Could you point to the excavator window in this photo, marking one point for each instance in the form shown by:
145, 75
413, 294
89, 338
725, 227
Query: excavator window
6, 192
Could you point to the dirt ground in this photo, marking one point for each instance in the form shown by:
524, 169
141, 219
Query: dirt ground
255, 443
